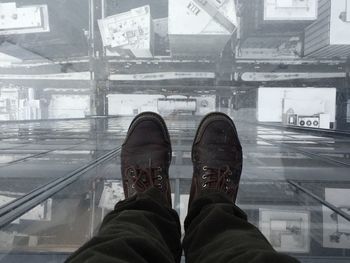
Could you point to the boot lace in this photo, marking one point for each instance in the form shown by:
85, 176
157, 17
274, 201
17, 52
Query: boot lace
145, 177
217, 178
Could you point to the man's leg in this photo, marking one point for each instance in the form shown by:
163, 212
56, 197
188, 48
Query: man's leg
216, 229
142, 228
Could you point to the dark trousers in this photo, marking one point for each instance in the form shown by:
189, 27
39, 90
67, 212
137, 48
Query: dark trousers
143, 229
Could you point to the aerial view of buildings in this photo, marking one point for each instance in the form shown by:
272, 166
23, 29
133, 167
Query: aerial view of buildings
73, 74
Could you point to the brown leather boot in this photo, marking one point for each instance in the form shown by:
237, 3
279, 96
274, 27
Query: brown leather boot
216, 157
146, 156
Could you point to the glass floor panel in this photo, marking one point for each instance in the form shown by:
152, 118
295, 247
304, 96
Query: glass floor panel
280, 186
73, 75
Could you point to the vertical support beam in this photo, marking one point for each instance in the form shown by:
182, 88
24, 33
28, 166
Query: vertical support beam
91, 53
177, 195
347, 88
179, 152
97, 65
91, 34
343, 97
179, 161
92, 209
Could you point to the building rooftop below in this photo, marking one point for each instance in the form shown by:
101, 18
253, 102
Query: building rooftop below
290, 10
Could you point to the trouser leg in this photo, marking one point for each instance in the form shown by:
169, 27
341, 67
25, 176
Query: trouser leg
140, 229
218, 231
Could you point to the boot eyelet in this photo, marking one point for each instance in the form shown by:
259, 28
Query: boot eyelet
205, 168
130, 172
160, 178
204, 185
204, 177
228, 180
133, 186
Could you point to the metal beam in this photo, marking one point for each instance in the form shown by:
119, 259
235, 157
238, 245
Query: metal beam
317, 198
20, 206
